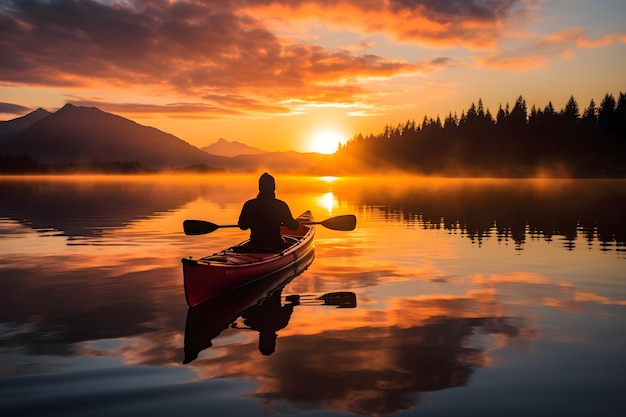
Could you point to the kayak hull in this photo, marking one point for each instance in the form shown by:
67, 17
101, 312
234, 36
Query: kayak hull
239, 265
209, 319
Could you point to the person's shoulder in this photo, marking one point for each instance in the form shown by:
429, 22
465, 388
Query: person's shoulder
252, 200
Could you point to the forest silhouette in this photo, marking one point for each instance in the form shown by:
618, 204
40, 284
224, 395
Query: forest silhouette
517, 142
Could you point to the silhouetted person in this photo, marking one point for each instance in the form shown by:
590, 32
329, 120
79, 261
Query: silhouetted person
264, 215
267, 319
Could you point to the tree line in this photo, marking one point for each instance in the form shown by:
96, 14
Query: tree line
515, 142
25, 164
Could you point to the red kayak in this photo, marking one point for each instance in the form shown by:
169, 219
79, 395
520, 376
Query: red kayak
239, 265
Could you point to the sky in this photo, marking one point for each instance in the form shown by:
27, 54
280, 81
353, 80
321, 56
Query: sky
304, 75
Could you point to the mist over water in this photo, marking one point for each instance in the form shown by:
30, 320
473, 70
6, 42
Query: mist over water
490, 297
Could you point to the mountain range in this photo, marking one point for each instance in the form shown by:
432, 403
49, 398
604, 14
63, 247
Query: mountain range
225, 148
87, 135
11, 128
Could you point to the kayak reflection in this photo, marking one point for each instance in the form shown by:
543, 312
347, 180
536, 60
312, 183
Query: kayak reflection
260, 305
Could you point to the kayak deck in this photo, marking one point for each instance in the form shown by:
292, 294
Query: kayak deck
242, 255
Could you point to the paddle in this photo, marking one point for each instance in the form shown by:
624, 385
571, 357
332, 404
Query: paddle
345, 222
341, 299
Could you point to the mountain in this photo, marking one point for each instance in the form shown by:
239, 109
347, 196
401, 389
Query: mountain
87, 135
242, 157
289, 161
11, 128
225, 148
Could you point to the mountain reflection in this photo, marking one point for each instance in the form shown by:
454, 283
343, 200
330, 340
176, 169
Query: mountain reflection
86, 208
509, 210
79, 206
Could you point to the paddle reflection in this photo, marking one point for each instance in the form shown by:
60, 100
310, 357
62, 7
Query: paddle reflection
273, 315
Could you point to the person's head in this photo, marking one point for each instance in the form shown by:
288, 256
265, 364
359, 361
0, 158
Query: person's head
266, 184
267, 342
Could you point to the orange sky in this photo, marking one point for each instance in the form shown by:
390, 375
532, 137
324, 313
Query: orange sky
275, 74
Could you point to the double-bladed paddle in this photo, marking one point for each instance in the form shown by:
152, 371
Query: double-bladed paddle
345, 222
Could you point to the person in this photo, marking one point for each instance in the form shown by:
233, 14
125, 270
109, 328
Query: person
268, 318
264, 215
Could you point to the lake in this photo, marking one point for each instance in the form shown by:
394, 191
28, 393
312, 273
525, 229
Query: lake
477, 297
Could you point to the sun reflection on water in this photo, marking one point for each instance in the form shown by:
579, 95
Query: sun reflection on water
328, 202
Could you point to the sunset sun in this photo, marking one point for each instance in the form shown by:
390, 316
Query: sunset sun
326, 141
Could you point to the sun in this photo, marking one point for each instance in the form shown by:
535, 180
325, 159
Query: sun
326, 141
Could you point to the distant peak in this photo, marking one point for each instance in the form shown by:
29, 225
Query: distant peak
223, 147
40, 111
72, 109
67, 108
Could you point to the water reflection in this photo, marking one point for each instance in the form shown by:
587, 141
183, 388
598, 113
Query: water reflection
261, 307
85, 328
505, 209
428, 344
53, 311
87, 208
90, 206
514, 210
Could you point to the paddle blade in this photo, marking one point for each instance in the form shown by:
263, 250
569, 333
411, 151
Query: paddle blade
198, 227
346, 222
341, 299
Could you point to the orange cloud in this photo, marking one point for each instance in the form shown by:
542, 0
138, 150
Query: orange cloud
513, 63
577, 37
229, 58
472, 24
213, 52
537, 54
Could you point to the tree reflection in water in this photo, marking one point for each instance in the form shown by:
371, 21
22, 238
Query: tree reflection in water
508, 209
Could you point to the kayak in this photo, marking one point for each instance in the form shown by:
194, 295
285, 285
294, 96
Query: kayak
208, 319
241, 264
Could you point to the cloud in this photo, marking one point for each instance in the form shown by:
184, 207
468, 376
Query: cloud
474, 24
215, 107
209, 51
538, 53
10, 108
235, 57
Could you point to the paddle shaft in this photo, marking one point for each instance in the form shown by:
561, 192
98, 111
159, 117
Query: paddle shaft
200, 227
236, 225
304, 223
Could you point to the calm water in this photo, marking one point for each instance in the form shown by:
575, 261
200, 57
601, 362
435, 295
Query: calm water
473, 297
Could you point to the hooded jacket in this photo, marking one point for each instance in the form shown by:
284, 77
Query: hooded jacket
265, 214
